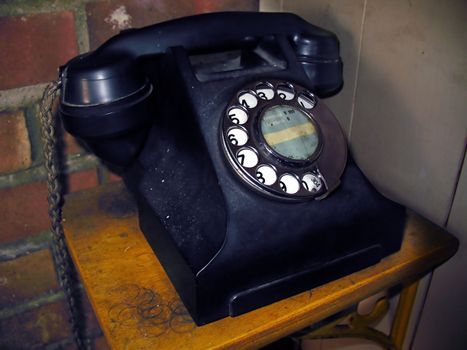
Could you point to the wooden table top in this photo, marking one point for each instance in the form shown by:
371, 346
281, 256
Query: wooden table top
138, 308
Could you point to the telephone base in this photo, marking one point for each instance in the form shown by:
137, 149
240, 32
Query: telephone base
305, 280
240, 278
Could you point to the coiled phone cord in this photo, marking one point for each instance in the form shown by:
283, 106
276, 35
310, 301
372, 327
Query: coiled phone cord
65, 266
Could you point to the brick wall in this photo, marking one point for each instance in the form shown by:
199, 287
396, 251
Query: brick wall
36, 37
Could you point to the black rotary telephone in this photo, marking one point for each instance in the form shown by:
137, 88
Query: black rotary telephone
241, 174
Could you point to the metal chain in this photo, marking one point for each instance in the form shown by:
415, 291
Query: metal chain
65, 266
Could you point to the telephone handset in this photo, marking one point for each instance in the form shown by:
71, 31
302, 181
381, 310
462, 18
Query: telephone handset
238, 167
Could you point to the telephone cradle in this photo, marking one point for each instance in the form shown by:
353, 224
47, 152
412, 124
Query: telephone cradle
241, 173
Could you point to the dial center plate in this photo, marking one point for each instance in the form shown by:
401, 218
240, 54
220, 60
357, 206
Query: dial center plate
289, 132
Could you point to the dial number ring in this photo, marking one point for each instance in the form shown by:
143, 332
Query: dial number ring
270, 172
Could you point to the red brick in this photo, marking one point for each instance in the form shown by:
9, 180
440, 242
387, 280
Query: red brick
19, 281
32, 47
71, 144
114, 177
82, 180
204, 6
15, 149
107, 18
23, 209
92, 327
35, 328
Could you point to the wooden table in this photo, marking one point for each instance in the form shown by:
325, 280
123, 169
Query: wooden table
138, 308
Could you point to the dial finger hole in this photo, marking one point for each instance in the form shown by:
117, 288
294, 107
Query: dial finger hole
247, 157
266, 174
311, 183
265, 91
285, 91
248, 99
289, 183
306, 100
237, 136
237, 115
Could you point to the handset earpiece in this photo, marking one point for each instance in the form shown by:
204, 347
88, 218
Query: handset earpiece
106, 102
321, 62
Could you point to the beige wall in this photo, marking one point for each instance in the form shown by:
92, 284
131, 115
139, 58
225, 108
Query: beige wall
404, 108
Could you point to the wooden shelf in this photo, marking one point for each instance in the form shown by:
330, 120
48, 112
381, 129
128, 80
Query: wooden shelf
138, 308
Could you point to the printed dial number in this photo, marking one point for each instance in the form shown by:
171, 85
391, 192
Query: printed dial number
289, 184
248, 100
266, 175
247, 157
307, 101
237, 136
285, 92
312, 183
265, 91
238, 115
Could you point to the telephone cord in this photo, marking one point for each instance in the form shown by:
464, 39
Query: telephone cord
65, 267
